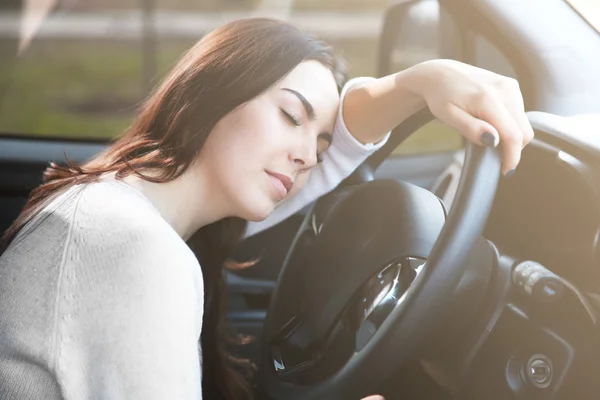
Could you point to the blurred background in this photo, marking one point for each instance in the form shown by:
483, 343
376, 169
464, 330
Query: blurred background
79, 68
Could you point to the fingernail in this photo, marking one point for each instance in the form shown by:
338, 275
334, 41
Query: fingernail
510, 173
488, 139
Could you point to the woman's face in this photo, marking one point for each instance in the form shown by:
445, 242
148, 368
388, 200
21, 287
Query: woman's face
263, 151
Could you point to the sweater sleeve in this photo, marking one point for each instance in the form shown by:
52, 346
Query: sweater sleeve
129, 315
339, 161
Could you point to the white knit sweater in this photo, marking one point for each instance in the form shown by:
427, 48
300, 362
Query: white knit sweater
101, 299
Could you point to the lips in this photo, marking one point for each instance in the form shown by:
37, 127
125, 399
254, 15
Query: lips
284, 182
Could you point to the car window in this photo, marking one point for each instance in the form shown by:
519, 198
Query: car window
91, 62
433, 137
418, 41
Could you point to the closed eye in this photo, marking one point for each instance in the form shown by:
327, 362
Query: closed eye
296, 122
291, 118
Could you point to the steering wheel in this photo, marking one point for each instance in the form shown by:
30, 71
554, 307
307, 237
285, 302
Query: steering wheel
368, 276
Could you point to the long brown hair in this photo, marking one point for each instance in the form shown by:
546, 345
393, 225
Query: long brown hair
228, 67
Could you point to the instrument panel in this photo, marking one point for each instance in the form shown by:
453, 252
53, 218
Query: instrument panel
549, 211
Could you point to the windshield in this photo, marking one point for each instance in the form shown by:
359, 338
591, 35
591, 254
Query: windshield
84, 66
589, 10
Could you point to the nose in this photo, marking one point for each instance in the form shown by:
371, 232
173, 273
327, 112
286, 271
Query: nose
304, 153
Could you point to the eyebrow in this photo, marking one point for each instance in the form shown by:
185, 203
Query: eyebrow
310, 111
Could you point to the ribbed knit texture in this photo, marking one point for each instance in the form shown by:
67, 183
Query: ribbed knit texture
100, 299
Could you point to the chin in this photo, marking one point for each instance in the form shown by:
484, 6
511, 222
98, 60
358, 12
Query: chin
258, 212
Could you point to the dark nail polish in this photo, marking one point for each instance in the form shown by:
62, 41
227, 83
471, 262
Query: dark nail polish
510, 173
488, 139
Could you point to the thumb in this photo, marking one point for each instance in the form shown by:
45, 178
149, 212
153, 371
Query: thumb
374, 397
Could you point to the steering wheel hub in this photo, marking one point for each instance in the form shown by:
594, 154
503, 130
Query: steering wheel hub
349, 276
381, 294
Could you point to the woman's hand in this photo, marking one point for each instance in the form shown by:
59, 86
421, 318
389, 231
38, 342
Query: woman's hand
485, 107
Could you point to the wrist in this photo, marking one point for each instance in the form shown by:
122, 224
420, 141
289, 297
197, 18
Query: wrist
409, 87
427, 78
418, 78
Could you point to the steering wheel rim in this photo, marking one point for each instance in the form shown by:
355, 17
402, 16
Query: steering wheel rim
406, 326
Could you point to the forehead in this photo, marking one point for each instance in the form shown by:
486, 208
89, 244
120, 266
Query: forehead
315, 82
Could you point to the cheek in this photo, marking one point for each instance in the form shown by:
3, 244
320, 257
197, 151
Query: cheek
300, 183
250, 135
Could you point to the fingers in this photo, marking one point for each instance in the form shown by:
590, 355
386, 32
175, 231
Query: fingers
513, 100
523, 122
491, 114
496, 125
474, 129
511, 136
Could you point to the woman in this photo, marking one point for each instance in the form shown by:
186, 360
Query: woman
101, 290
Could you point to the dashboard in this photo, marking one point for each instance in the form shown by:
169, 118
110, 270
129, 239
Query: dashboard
549, 210
532, 339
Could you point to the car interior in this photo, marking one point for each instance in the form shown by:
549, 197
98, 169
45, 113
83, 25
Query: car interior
430, 276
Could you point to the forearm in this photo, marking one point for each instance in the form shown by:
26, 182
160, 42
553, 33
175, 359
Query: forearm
374, 108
